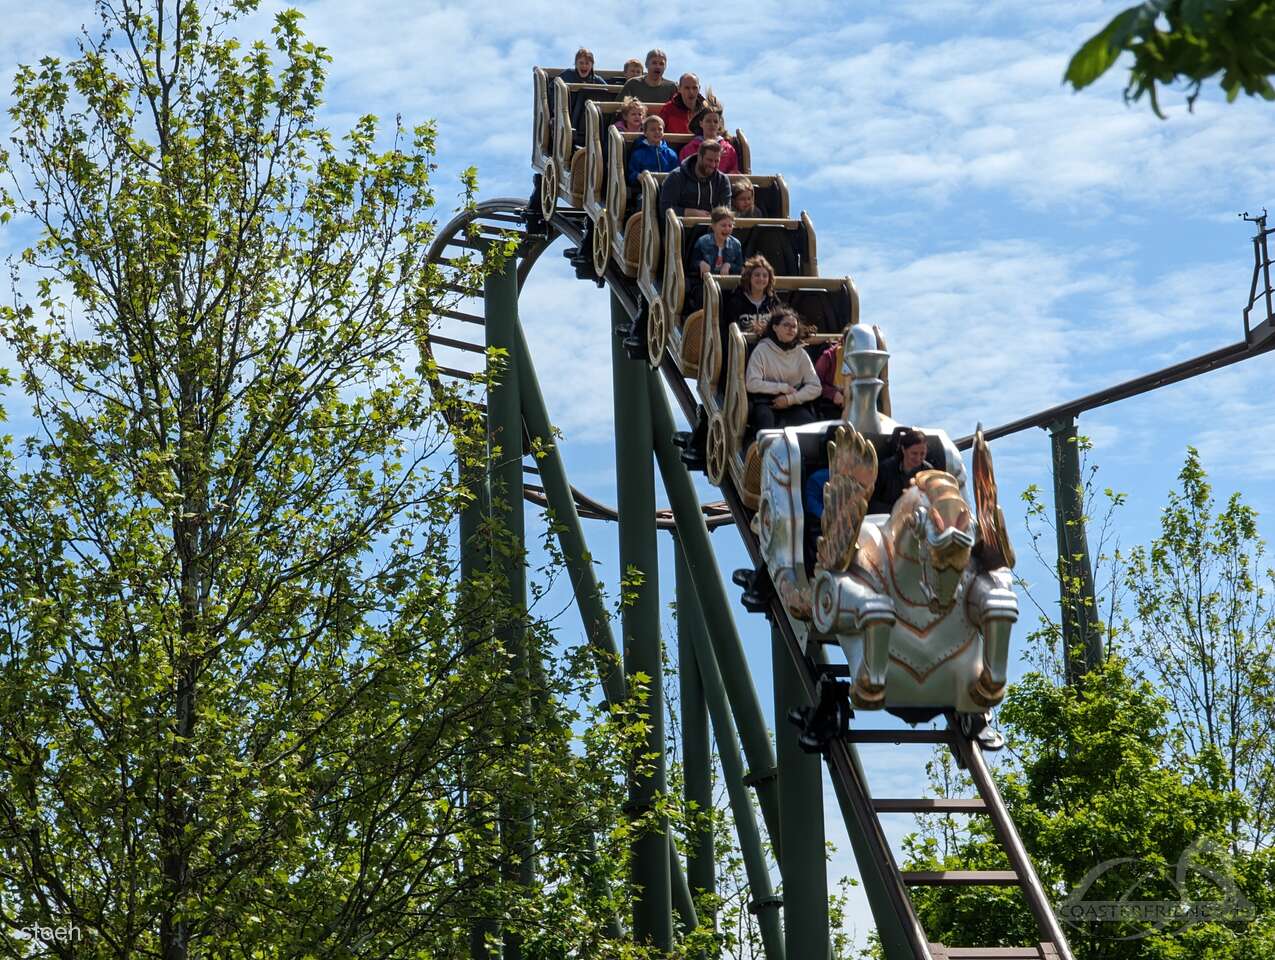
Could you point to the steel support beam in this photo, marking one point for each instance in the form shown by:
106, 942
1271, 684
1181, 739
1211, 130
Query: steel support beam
804, 868
473, 563
1082, 633
697, 754
1259, 340
565, 520
729, 651
764, 902
640, 620
504, 433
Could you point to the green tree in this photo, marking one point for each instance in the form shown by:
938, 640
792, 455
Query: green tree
1184, 41
1090, 781
1204, 631
1152, 759
244, 710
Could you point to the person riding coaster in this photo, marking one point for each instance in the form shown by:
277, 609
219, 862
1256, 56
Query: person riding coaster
920, 599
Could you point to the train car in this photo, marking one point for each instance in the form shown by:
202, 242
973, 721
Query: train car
622, 220
920, 599
827, 304
605, 204
544, 158
663, 268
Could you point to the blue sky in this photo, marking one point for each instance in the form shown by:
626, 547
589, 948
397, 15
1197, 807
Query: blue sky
1019, 244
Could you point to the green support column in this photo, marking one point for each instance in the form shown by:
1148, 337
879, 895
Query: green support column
588, 593
473, 563
804, 868
640, 619
504, 432
764, 901
697, 755
1082, 633
713, 603
566, 521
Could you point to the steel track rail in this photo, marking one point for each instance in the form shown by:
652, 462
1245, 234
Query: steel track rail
1261, 340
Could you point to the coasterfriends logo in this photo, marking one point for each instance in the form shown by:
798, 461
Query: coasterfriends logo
1128, 898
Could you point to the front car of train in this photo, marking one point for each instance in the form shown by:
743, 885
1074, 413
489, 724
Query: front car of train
920, 599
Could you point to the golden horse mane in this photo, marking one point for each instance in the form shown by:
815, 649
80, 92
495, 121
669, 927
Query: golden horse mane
947, 509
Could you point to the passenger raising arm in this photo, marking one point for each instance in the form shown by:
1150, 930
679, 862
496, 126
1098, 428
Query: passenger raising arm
697, 186
651, 152
651, 88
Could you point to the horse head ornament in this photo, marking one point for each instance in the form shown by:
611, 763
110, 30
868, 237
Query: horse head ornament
933, 529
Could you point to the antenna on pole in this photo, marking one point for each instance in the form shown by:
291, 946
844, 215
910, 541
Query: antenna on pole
1262, 266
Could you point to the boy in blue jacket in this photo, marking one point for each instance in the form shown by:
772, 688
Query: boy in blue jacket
651, 152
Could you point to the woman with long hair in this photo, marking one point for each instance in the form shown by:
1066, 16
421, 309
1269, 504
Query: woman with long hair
710, 124
780, 379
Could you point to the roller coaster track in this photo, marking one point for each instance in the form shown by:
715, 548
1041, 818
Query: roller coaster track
901, 930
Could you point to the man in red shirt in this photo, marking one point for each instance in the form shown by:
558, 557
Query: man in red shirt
682, 105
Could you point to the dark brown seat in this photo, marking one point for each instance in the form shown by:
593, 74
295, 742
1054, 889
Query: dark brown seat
828, 311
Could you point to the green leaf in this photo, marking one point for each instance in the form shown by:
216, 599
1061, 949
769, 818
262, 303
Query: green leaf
1100, 51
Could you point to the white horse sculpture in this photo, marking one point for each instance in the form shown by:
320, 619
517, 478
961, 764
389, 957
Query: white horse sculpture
921, 600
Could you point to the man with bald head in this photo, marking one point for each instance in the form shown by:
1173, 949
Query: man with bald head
683, 105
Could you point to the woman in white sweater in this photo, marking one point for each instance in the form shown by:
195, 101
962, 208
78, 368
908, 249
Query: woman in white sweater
780, 380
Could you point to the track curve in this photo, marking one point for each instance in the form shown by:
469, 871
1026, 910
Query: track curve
491, 214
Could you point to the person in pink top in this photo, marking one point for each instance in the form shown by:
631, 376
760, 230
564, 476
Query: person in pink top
710, 124
632, 115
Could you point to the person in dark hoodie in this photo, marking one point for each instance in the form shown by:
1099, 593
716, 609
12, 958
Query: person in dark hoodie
583, 70
683, 105
697, 186
895, 473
